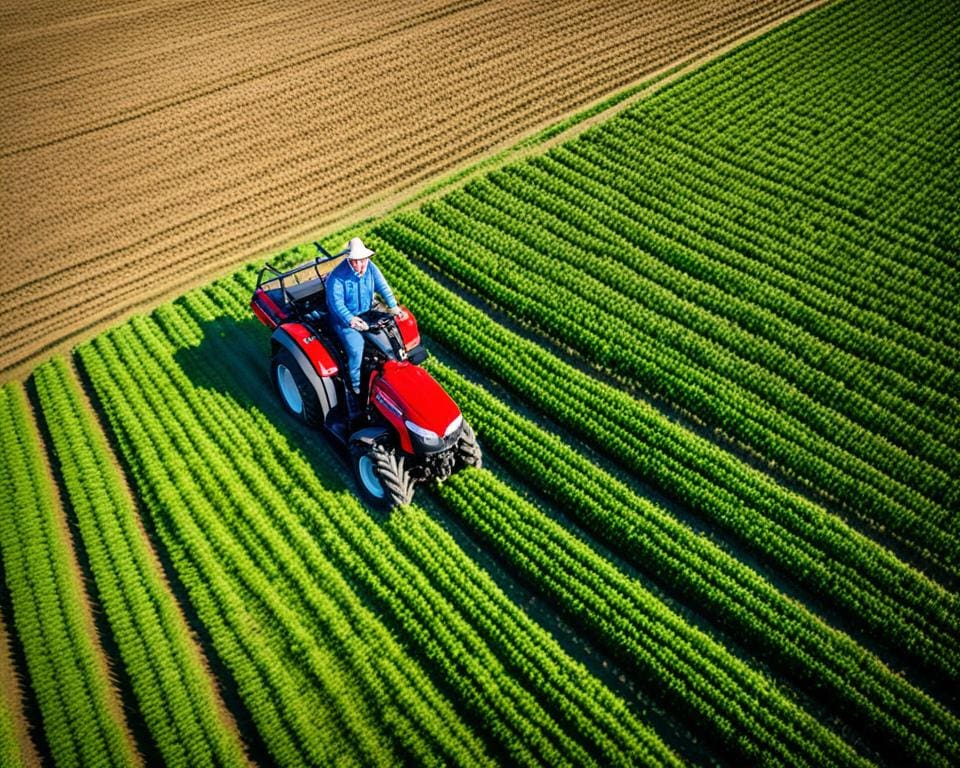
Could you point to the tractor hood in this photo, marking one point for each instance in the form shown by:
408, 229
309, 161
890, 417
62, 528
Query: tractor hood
405, 392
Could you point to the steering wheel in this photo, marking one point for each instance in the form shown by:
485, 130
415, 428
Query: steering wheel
375, 319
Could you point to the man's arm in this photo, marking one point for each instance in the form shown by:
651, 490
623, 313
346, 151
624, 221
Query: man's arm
381, 287
335, 287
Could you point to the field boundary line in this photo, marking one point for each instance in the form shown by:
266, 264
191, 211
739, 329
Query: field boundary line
403, 197
543, 138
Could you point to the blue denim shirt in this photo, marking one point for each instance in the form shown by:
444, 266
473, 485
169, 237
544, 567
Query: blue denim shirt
348, 295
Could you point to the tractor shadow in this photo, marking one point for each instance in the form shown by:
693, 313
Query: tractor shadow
233, 361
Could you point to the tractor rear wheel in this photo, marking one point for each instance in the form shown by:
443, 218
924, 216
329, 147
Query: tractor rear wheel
468, 451
381, 475
298, 397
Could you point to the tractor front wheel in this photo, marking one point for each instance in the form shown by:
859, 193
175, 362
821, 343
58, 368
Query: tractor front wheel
468, 450
381, 475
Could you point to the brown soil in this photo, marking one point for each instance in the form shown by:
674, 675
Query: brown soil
148, 148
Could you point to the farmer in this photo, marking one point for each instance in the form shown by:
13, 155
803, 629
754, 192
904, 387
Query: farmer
350, 289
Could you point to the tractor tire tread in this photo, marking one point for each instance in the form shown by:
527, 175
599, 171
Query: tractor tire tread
397, 482
468, 450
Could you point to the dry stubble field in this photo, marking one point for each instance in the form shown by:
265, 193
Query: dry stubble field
144, 148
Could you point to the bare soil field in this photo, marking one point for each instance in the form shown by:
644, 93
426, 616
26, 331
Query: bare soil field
149, 146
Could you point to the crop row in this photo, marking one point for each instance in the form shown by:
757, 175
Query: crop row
528, 651
280, 709
586, 204
825, 662
839, 167
313, 651
741, 708
817, 549
731, 141
536, 193
174, 692
847, 205
82, 721
329, 529
688, 183
743, 398
441, 559
16, 749
670, 654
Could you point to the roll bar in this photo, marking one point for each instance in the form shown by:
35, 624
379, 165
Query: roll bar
323, 256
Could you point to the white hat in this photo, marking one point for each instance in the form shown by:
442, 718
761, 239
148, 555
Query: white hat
355, 249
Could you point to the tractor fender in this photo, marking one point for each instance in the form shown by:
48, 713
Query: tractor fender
312, 347
369, 435
322, 384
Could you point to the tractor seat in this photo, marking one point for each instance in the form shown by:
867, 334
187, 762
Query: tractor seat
305, 290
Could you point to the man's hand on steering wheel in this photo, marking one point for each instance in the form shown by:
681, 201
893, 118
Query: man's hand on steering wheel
359, 324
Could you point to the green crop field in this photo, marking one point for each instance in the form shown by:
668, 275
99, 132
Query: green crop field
711, 351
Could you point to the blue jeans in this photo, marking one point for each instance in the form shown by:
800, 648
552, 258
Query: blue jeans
353, 344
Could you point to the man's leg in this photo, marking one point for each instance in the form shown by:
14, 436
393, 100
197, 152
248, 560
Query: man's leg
353, 344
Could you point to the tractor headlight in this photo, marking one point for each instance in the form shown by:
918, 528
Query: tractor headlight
428, 437
454, 426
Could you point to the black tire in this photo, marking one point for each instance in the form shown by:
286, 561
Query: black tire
298, 397
381, 475
468, 450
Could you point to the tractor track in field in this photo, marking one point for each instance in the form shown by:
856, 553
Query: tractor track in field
148, 152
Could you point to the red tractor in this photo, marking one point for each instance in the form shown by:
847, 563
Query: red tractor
407, 429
